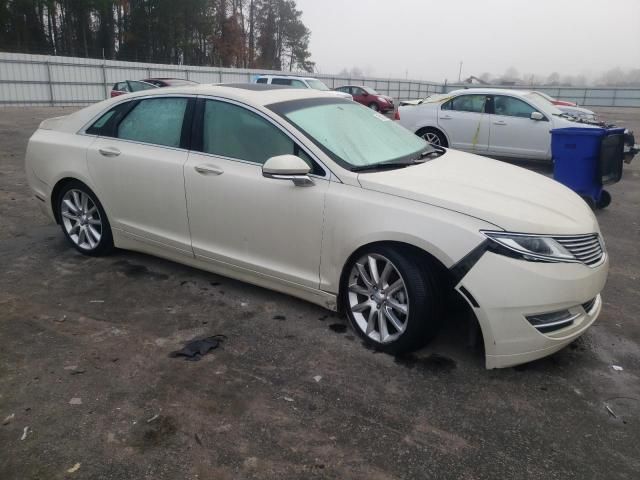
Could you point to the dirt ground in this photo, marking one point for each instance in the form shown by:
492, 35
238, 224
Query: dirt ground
88, 391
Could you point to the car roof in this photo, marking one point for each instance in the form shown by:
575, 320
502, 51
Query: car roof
254, 93
490, 91
297, 77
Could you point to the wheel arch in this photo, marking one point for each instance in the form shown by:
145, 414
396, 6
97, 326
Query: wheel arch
441, 270
59, 187
453, 300
437, 130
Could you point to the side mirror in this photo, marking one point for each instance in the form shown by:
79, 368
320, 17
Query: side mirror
365, 94
288, 167
537, 116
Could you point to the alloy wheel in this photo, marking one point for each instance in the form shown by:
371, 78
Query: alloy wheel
81, 219
432, 138
378, 298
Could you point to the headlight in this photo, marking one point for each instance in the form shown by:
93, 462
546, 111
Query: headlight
531, 247
383, 100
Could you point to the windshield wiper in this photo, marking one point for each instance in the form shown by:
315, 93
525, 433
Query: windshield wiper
387, 165
430, 151
420, 158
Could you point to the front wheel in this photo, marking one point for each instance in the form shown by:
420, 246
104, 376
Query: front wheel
391, 299
83, 220
374, 106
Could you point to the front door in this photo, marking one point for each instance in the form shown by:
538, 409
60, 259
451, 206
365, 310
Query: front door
464, 121
515, 134
241, 218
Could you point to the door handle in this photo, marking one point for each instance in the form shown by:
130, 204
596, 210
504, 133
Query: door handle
500, 122
109, 152
208, 170
446, 117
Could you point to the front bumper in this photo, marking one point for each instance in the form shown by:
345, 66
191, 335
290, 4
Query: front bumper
507, 290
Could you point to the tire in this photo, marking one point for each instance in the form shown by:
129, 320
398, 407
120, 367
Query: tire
367, 305
433, 136
605, 199
374, 106
83, 220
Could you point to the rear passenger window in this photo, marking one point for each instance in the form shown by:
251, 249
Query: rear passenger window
280, 81
235, 132
104, 126
157, 121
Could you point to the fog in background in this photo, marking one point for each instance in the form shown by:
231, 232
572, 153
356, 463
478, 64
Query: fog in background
561, 41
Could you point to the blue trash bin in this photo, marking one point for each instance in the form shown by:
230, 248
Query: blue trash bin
584, 161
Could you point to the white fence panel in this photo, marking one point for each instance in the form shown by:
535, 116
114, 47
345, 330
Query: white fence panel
46, 80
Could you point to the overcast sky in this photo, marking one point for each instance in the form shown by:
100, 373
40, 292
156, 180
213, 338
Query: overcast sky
427, 39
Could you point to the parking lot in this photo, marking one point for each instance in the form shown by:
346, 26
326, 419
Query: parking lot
88, 389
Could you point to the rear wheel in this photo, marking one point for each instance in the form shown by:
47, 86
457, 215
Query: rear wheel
433, 136
391, 299
83, 220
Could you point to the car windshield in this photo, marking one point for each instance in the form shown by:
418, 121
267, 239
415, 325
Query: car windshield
317, 84
353, 135
542, 103
370, 90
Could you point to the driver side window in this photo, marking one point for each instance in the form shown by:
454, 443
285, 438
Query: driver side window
512, 107
235, 132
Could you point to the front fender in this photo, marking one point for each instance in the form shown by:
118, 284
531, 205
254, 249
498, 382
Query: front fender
355, 217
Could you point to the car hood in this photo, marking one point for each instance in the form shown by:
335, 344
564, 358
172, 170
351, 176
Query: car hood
510, 197
341, 94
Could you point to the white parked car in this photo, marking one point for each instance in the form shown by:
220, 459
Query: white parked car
324, 199
486, 121
300, 82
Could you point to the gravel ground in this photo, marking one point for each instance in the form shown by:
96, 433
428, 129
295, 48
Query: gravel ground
89, 392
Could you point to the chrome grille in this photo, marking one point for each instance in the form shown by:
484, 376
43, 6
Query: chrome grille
586, 248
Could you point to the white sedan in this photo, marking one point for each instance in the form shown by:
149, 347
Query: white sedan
324, 199
494, 122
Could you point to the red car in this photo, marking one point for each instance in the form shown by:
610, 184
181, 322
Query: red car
169, 82
369, 97
555, 101
129, 86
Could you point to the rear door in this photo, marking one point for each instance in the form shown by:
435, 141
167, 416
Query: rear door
514, 133
464, 121
136, 165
